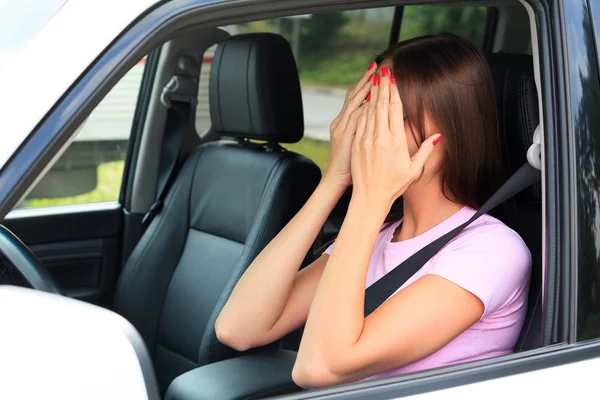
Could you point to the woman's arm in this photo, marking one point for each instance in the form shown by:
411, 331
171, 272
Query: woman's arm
339, 344
272, 298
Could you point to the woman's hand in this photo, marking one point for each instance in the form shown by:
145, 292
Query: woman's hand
382, 168
343, 129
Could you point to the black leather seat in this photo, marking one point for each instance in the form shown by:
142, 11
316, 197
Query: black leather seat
519, 117
227, 202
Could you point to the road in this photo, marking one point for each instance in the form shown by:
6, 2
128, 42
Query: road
112, 119
321, 106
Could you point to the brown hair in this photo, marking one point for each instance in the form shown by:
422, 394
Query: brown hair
447, 78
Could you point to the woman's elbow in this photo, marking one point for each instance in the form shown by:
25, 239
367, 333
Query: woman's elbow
313, 375
230, 337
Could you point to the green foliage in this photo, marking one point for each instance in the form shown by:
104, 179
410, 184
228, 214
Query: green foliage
110, 176
341, 72
591, 328
463, 21
314, 149
334, 49
317, 33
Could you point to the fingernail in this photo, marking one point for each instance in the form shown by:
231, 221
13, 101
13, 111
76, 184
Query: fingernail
437, 140
368, 97
393, 79
376, 80
369, 80
372, 66
385, 71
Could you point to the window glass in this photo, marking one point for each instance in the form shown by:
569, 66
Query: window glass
468, 22
584, 53
332, 51
202, 109
91, 169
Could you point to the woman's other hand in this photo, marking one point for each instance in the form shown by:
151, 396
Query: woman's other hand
343, 129
382, 168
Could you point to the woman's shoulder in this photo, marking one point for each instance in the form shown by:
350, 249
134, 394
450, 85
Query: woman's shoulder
489, 259
488, 236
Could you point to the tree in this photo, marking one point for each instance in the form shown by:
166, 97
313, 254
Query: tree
317, 32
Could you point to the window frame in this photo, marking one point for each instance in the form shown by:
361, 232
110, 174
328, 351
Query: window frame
133, 133
137, 126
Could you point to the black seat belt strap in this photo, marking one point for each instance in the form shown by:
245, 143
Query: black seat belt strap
179, 119
381, 290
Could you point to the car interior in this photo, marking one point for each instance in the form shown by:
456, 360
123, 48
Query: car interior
168, 253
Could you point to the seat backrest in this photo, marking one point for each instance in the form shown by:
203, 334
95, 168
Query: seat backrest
228, 201
519, 117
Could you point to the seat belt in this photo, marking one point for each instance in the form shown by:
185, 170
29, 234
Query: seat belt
382, 289
179, 96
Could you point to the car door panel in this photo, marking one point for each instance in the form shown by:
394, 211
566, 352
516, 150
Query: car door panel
79, 248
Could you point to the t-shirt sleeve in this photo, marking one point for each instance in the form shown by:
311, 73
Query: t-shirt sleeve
329, 249
492, 262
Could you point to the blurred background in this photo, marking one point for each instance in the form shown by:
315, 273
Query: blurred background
331, 50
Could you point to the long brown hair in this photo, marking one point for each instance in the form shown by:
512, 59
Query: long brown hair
447, 78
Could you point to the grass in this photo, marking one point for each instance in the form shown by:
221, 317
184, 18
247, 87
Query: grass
341, 72
110, 176
314, 149
108, 187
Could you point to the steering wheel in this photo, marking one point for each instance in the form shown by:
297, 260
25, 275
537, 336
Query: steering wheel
19, 266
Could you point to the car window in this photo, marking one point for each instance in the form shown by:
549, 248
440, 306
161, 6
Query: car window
464, 21
91, 169
332, 51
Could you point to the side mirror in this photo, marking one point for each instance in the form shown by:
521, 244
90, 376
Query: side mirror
54, 347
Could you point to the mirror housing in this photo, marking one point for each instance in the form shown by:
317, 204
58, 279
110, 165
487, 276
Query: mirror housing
57, 347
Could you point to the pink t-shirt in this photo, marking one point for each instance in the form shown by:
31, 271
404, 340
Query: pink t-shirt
489, 260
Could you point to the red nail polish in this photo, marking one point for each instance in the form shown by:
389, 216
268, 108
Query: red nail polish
393, 79
369, 80
385, 71
376, 80
437, 140
368, 97
372, 66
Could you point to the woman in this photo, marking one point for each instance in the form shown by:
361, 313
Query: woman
420, 126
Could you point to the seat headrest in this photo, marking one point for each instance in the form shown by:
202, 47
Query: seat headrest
255, 90
518, 111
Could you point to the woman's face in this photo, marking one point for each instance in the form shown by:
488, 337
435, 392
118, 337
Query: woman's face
429, 128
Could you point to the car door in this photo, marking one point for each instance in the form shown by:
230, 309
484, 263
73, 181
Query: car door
72, 218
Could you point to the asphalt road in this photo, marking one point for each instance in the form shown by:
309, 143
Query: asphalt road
321, 106
112, 119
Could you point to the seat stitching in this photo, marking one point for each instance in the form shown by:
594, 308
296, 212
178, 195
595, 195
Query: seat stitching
251, 252
213, 339
178, 354
161, 308
154, 233
191, 228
